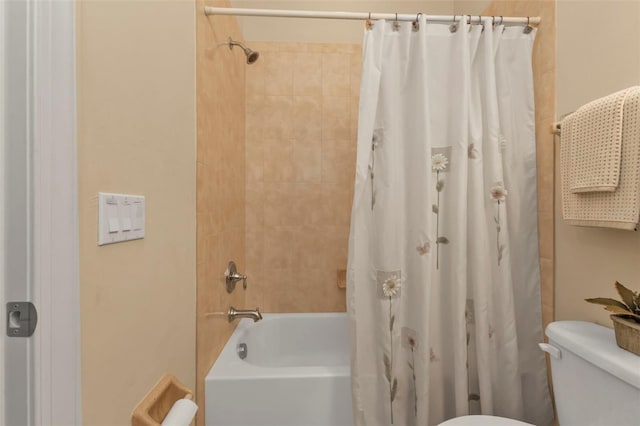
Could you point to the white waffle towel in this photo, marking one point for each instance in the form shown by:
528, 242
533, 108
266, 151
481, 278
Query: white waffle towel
596, 143
621, 208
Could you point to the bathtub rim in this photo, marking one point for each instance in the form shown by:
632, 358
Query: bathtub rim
236, 369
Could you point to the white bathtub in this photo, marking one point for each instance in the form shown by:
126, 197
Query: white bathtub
296, 373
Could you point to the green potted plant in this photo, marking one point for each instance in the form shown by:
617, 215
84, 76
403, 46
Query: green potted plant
626, 317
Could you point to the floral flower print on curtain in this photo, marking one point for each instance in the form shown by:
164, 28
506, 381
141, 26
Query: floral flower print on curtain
469, 320
410, 342
390, 285
424, 248
498, 194
472, 152
424, 244
439, 164
376, 141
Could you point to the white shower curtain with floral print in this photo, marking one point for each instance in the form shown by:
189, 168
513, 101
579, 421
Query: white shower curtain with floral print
443, 279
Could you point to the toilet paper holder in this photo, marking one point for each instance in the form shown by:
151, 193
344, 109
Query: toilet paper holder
154, 407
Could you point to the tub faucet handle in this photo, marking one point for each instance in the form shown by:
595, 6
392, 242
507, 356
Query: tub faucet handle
232, 276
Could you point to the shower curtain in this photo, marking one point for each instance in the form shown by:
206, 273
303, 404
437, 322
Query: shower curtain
443, 288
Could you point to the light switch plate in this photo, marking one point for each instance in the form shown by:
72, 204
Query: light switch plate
121, 217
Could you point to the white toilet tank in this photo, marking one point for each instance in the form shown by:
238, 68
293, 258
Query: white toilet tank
594, 381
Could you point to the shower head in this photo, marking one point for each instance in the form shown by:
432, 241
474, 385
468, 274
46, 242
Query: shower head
252, 55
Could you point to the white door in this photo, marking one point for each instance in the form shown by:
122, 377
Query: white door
16, 405
39, 375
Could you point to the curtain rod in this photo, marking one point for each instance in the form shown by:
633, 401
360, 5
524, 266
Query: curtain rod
280, 13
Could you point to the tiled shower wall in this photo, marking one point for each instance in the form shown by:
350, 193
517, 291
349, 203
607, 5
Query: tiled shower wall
301, 123
220, 184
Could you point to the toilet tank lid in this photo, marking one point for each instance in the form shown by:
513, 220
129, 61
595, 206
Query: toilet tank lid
596, 344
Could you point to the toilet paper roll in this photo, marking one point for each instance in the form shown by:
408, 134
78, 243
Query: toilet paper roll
181, 413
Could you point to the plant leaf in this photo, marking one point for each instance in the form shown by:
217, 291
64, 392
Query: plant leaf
394, 389
391, 321
439, 185
620, 311
632, 317
442, 240
628, 297
435, 209
608, 302
387, 367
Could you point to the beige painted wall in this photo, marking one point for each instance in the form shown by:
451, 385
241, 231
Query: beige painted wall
598, 53
322, 30
470, 7
136, 134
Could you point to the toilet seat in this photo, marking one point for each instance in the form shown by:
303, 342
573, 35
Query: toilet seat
483, 421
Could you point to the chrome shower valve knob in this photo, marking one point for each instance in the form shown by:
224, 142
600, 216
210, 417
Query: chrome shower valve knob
232, 276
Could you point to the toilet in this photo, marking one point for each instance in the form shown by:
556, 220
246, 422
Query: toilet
594, 381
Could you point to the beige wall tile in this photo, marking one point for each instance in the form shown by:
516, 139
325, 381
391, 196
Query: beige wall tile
255, 81
277, 113
254, 158
307, 74
338, 161
291, 204
280, 255
278, 74
254, 206
336, 118
307, 118
355, 71
336, 202
255, 115
227, 118
278, 160
336, 73
307, 160
298, 208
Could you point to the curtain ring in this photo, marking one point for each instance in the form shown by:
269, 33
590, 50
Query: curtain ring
369, 24
501, 19
528, 28
493, 21
454, 26
416, 24
396, 24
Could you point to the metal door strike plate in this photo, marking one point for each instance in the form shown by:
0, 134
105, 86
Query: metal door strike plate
22, 319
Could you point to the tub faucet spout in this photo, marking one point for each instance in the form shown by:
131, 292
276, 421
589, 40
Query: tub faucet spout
234, 313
